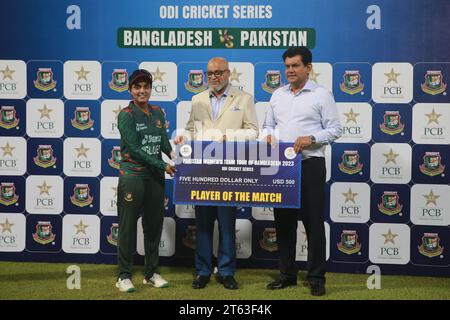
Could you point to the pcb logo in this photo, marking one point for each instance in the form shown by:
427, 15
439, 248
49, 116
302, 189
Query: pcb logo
269, 240
392, 123
82, 118
8, 117
352, 82
8, 194
116, 157
389, 203
44, 80
273, 81
119, 81
430, 246
349, 242
191, 237
44, 234
196, 81
81, 196
113, 234
350, 162
44, 157
431, 164
434, 83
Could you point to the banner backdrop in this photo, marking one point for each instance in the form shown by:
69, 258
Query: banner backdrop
63, 79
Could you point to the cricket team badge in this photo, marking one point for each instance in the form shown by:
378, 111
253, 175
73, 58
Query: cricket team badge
352, 82
430, 246
44, 80
392, 123
350, 162
434, 83
196, 81
82, 118
8, 194
44, 233
390, 203
269, 240
119, 81
44, 157
81, 196
8, 118
349, 242
431, 165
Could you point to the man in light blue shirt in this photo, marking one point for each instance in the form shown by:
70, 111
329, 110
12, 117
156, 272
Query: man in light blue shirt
305, 114
217, 103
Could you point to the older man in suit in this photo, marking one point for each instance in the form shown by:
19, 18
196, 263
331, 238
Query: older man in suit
220, 113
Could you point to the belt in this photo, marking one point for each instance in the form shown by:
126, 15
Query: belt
312, 157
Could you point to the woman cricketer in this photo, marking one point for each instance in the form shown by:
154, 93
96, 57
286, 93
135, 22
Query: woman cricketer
141, 181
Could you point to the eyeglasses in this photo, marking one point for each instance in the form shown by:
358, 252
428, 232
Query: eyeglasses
217, 73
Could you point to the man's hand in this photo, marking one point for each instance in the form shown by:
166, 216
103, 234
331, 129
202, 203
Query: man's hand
302, 143
270, 139
179, 139
170, 170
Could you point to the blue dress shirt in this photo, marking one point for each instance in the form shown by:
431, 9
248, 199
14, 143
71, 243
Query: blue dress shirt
217, 104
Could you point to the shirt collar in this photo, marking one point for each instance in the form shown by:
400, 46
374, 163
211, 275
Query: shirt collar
224, 94
309, 86
137, 109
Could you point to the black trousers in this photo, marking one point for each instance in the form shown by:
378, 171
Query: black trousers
139, 196
311, 213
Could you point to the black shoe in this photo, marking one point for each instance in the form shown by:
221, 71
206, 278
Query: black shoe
317, 289
281, 283
200, 282
228, 282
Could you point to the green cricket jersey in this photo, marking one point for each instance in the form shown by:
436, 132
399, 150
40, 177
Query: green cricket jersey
143, 137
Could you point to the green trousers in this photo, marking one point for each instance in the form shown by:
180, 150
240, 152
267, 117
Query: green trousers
139, 196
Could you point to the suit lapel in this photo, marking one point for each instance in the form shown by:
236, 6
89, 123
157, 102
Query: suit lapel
207, 104
228, 102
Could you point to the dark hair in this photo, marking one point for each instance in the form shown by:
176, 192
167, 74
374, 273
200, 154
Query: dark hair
303, 52
140, 74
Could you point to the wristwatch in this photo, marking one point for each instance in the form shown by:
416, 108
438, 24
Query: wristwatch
313, 139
